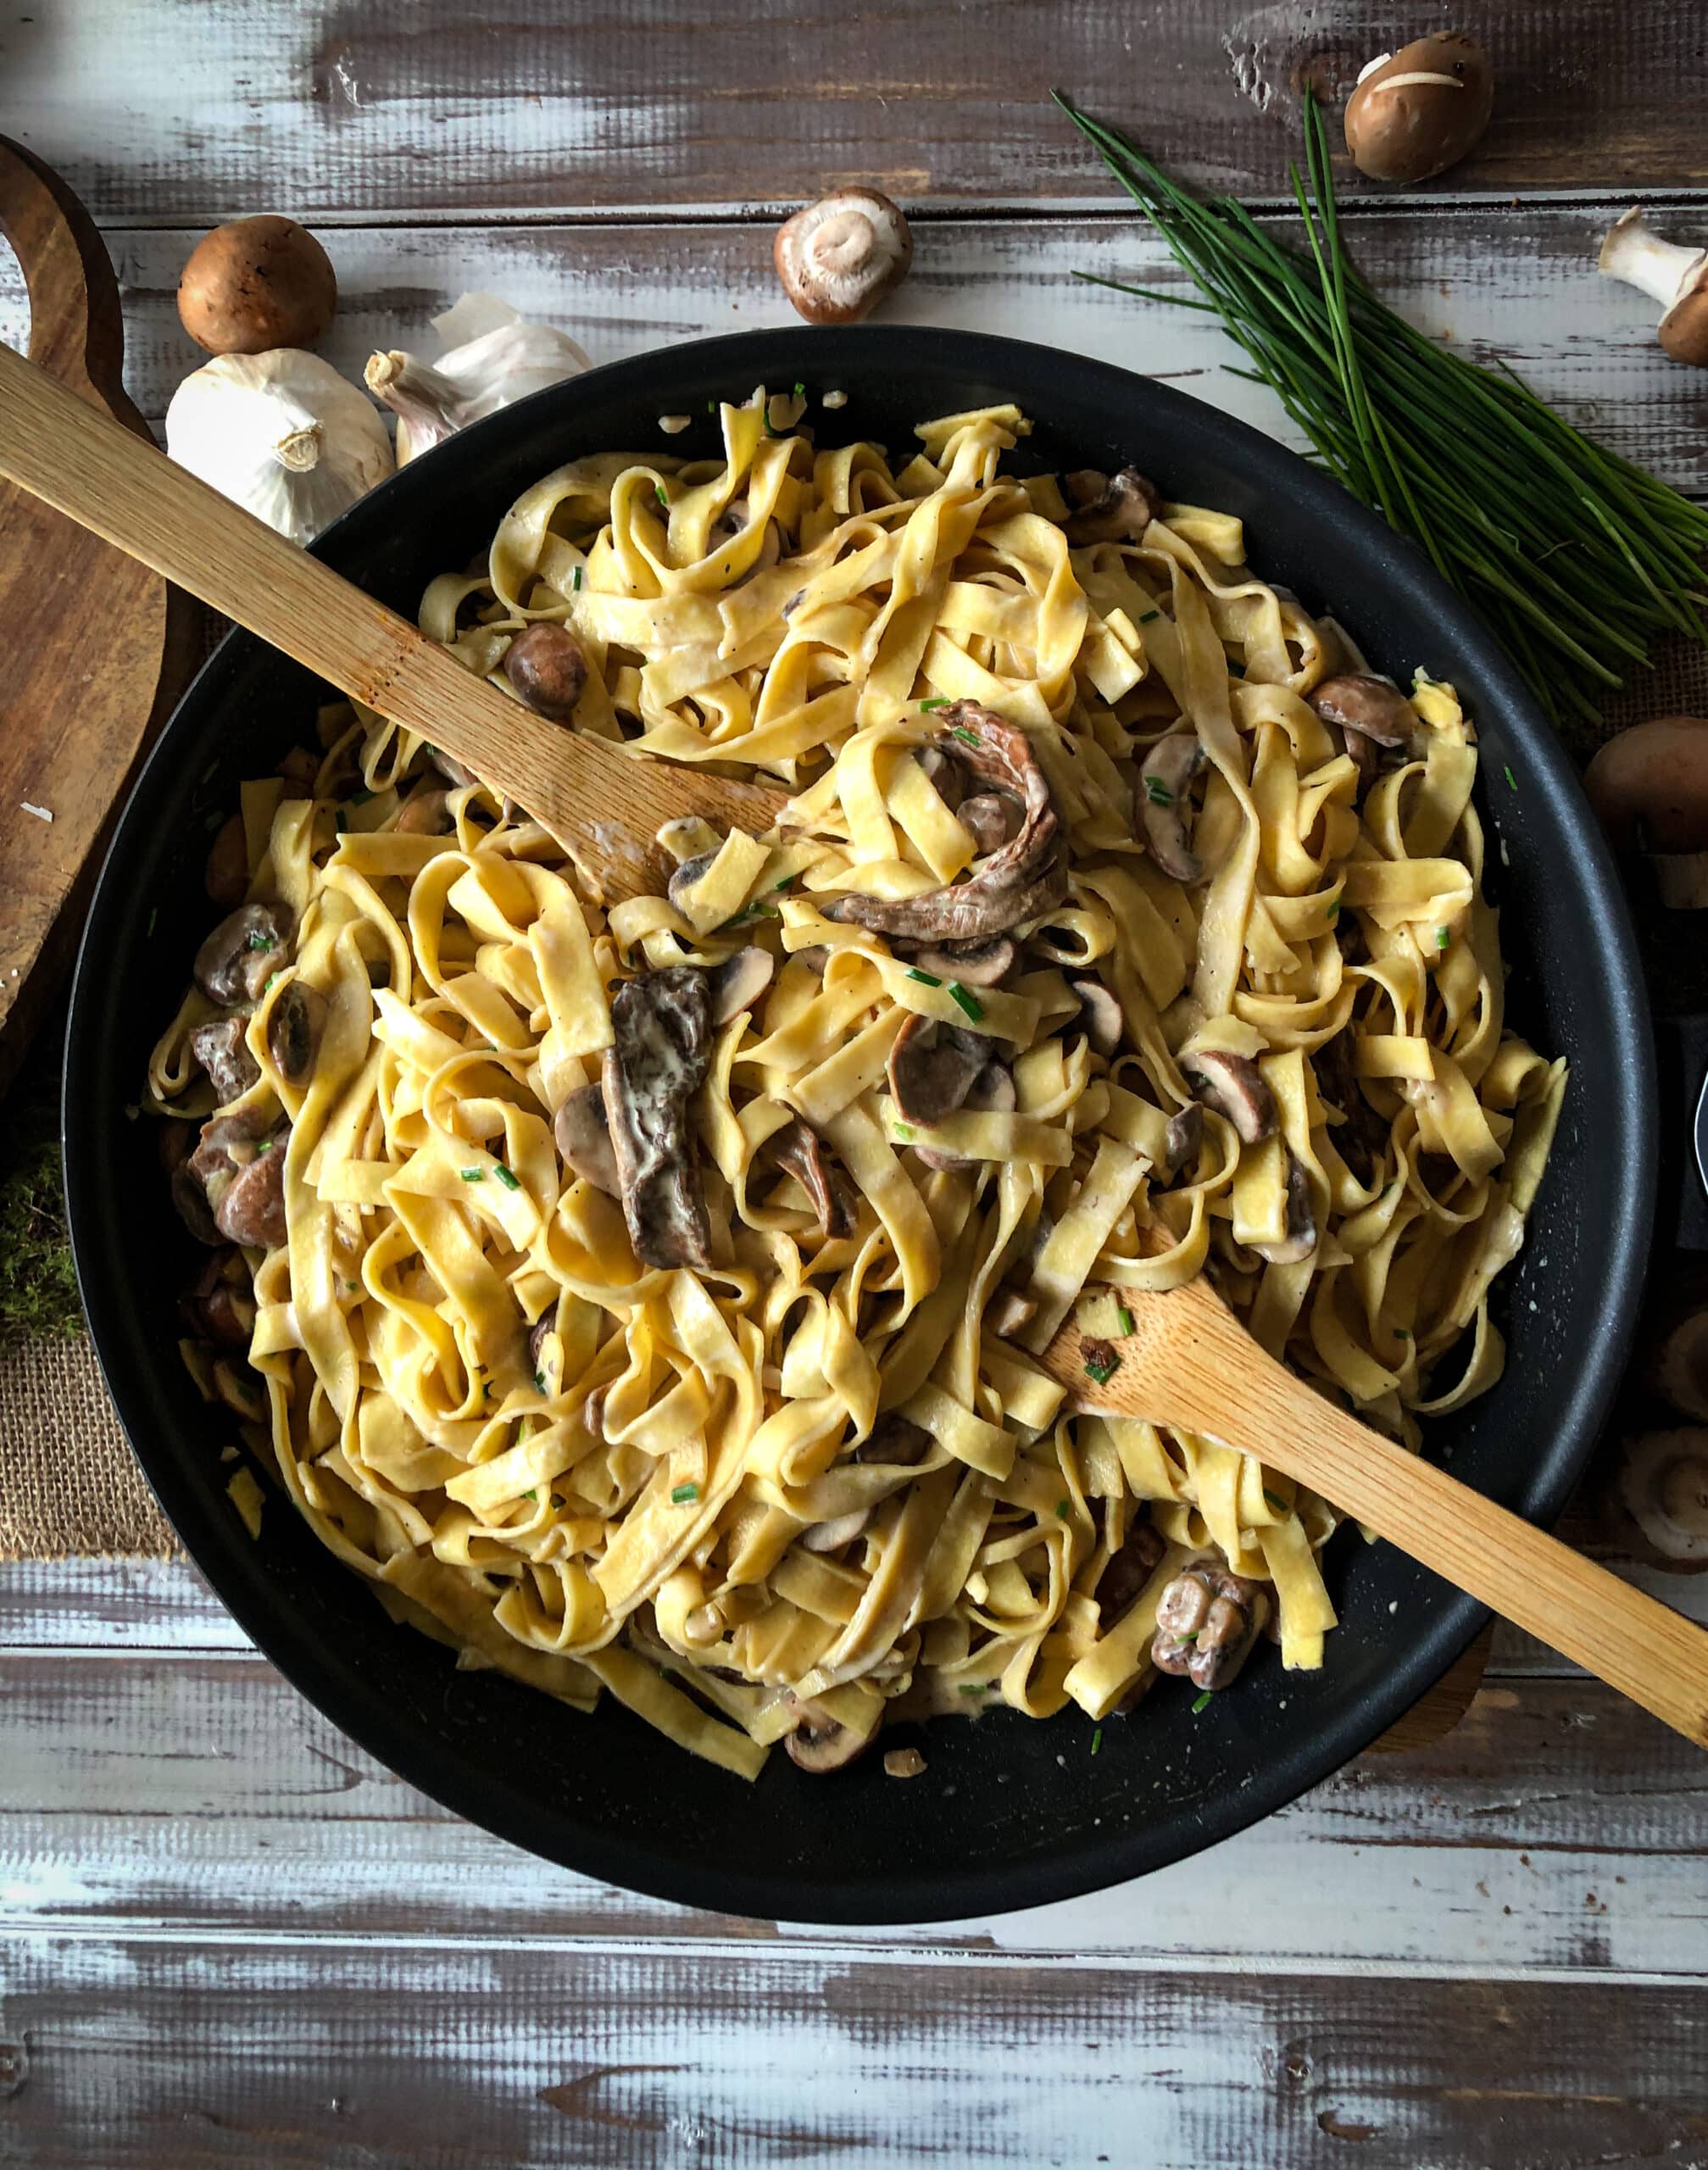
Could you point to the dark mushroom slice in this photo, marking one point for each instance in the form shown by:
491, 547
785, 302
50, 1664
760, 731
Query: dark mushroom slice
931, 1067
222, 1048
178, 1146
1207, 1622
683, 877
451, 769
1234, 1087
1183, 1138
1363, 1133
243, 953
1301, 1237
250, 1208
1126, 1572
1099, 1016
663, 1027
819, 1744
971, 963
1358, 701
1016, 884
1009, 1310
1165, 781
832, 1536
584, 1138
948, 777
226, 875
300, 769
895, 1441
294, 1026
798, 1149
425, 813
991, 818
740, 982
219, 1305
1115, 509
547, 667
990, 1092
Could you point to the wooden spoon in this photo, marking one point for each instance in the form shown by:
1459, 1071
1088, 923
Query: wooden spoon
1189, 1362
604, 805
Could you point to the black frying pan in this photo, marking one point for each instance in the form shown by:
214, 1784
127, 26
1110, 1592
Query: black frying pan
1009, 1813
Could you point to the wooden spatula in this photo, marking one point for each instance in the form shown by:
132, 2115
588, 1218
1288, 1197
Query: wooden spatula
1189, 1362
604, 805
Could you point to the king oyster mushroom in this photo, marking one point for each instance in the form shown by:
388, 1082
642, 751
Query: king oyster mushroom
840, 256
1164, 802
1110, 508
1417, 112
1021, 881
1234, 1087
662, 1023
800, 1152
1676, 276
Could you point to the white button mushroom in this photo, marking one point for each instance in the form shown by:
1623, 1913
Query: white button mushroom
1673, 274
841, 255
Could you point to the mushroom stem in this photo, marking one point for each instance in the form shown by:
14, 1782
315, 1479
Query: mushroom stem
1660, 269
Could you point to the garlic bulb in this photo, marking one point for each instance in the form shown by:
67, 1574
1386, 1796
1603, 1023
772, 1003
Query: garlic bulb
492, 358
281, 433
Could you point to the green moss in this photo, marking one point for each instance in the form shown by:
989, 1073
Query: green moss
38, 1290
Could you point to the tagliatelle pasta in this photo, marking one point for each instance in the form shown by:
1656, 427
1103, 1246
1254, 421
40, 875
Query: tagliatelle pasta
645, 1296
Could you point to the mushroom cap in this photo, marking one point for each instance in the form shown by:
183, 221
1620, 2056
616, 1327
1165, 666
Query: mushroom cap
1649, 786
1418, 111
1661, 1494
1373, 706
1683, 332
840, 256
1234, 1086
547, 667
257, 284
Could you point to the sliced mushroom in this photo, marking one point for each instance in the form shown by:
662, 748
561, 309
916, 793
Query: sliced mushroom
740, 982
548, 666
1165, 781
947, 778
243, 953
1117, 510
931, 1068
301, 770
250, 1208
832, 1536
1661, 1496
840, 256
1009, 1312
1358, 701
1099, 1013
819, 1744
896, 1442
451, 769
294, 1026
584, 1138
1207, 1622
226, 877
1183, 1138
1301, 1237
220, 1304
971, 964
990, 1092
1016, 884
663, 1027
991, 818
797, 1150
425, 813
1127, 1573
1234, 1087
222, 1048
684, 876
178, 1145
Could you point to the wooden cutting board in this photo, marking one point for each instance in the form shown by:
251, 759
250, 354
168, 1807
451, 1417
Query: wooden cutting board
93, 646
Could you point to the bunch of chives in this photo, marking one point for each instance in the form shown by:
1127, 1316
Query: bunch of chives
1606, 556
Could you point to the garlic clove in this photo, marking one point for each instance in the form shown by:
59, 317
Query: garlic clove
498, 359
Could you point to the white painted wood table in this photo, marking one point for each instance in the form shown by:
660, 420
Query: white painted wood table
230, 1938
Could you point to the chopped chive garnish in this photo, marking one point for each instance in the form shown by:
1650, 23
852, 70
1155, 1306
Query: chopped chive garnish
263, 942
1511, 779
1101, 1362
1190, 1636
474, 1175
904, 1132
1275, 1500
1334, 911
969, 1005
800, 389
1442, 937
1061, 1509
1200, 1703
576, 583
1157, 791
531, 1495
936, 701
265, 1146
1125, 1317
1400, 1333
925, 979
154, 914
966, 738
711, 406
1148, 615
1096, 1738
973, 1687
663, 494
539, 1382
505, 1177
684, 1494
273, 979
777, 887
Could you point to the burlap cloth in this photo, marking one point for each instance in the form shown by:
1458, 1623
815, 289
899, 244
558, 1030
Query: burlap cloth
69, 1484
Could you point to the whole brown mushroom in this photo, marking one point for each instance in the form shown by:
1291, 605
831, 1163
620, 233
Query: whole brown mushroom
1649, 787
1672, 273
840, 256
257, 284
1418, 111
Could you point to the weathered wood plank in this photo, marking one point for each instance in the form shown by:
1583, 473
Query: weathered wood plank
1555, 1827
1520, 283
159, 114
145, 2056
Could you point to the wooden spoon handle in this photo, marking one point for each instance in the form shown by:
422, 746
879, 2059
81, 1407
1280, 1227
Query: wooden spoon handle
1221, 1383
602, 805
